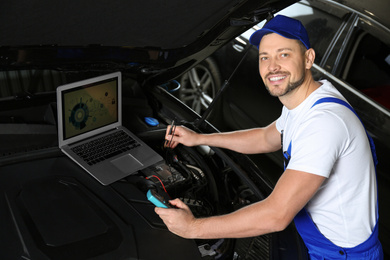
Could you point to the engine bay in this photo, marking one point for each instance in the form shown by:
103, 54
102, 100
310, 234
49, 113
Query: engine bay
53, 209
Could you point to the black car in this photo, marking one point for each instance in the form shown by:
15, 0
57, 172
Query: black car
51, 208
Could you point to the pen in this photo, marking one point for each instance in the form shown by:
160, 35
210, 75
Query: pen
167, 142
172, 124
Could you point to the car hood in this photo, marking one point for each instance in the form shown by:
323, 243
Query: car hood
152, 39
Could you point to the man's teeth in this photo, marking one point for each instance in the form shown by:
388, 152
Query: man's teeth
276, 78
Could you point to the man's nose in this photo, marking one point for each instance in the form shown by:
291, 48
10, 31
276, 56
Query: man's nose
273, 65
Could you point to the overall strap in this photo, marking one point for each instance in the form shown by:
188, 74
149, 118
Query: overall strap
286, 154
371, 141
316, 243
344, 103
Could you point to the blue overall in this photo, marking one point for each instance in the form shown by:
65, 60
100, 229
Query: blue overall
319, 247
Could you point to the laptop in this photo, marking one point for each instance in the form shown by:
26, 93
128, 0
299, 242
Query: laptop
90, 130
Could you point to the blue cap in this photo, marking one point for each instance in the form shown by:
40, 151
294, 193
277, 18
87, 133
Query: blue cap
285, 26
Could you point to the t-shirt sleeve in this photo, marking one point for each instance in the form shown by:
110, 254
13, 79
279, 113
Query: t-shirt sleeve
320, 140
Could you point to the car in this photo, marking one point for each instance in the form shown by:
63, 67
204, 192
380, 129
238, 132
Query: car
352, 44
53, 209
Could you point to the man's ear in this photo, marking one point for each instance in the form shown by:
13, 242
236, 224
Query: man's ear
310, 56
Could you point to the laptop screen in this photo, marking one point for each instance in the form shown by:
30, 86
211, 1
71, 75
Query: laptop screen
89, 107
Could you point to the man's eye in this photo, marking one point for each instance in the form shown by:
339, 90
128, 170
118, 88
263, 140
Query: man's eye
284, 55
263, 58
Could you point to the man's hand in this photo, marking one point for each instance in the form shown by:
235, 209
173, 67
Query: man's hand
180, 134
179, 220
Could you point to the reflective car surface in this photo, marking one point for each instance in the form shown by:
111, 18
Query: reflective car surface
52, 209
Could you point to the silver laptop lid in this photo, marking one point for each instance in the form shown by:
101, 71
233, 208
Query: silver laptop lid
89, 107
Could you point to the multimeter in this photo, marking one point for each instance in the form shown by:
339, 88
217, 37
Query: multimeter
157, 199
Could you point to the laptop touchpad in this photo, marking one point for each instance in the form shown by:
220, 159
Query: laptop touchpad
127, 163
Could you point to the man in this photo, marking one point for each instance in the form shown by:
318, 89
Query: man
329, 182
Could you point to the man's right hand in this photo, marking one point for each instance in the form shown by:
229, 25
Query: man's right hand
180, 134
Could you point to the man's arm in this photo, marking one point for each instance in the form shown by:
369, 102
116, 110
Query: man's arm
293, 190
257, 140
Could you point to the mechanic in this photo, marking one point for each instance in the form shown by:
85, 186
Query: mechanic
329, 184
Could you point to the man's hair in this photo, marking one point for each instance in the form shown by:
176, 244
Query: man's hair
302, 47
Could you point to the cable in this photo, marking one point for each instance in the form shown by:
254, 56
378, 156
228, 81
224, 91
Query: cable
162, 184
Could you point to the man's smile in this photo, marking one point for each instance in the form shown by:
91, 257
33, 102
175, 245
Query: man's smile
276, 78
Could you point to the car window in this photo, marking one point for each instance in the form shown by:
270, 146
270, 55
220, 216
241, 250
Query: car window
321, 26
368, 69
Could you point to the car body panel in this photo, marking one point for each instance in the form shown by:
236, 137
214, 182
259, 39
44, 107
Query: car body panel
124, 38
51, 208
51, 44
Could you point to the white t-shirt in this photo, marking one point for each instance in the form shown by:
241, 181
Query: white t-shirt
330, 141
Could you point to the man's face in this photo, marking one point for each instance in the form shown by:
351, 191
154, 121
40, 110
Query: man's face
281, 64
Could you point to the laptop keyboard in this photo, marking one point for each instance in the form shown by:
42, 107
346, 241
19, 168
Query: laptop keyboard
105, 147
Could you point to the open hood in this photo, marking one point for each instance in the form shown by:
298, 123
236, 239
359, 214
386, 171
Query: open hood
162, 24
150, 37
